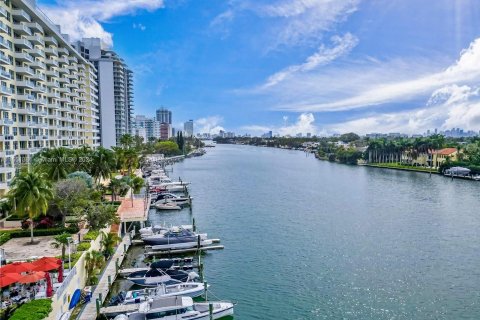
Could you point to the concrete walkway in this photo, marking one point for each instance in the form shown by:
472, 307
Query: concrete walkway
90, 310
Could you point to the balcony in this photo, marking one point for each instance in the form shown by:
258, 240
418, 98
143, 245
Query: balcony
53, 84
4, 44
6, 122
22, 29
36, 40
25, 84
35, 26
6, 91
4, 59
22, 43
3, 12
52, 73
25, 97
4, 28
39, 89
63, 50
51, 62
23, 57
24, 71
51, 52
37, 65
53, 94
50, 40
53, 105
21, 15
38, 76
36, 53
6, 106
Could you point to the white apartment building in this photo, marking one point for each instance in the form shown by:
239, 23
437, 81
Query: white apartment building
115, 81
48, 95
188, 128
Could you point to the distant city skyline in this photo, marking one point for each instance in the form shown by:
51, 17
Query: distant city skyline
292, 66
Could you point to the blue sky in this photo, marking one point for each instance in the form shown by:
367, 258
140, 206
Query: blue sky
319, 66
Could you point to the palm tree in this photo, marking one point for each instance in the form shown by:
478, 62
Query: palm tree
93, 261
61, 241
117, 186
130, 159
108, 242
135, 183
102, 164
54, 163
31, 192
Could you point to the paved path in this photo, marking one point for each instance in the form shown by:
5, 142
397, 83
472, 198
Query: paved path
90, 310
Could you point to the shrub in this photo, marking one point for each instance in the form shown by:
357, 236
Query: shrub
83, 246
91, 235
39, 232
14, 217
4, 237
33, 310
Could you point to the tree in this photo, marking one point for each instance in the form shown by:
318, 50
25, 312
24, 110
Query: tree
180, 141
93, 261
82, 175
108, 243
127, 141
70, 194
168, 148
54, 162
102, 164
61, 241
118, 187
349, 137
31, 191
135, 183
98, 215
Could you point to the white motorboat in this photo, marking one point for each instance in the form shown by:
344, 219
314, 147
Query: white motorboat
161, 229
181, 245
178, 308
173, 198
186, 289
173, 236
167, 206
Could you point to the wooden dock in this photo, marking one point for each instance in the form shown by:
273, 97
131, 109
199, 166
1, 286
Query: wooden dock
103, 287
182, 251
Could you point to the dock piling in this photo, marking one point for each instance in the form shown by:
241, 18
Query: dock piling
210, 310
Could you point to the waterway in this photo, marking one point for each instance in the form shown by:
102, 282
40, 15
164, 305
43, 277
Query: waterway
310, 239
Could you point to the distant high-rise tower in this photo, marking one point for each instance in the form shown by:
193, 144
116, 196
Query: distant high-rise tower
164, 116
188, 128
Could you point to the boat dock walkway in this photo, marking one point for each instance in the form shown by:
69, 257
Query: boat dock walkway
103, 287
120, 309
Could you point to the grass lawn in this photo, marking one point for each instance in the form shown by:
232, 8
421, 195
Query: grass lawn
403, 167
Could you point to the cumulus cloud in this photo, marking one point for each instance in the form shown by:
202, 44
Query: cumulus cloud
449, 107
342, 45
82, 18
304, 124
210, 124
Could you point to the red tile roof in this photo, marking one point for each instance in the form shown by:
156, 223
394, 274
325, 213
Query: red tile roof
447, 151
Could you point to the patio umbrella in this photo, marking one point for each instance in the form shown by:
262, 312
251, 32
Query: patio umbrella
17, 267
45, 265
49, 285
7, 279
45, 260
32, 277
60, 270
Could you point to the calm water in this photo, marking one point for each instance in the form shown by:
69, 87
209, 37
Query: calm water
308, 239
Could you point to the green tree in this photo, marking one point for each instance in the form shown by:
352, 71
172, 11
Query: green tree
98, 215
61, 241
70, 194
82, 175
31, 191
127, 141
108, 243
168, 148
55, 163
102, 164
135, 183
93, 262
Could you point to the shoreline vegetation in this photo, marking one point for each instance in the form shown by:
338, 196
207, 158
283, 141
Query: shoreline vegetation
437, 154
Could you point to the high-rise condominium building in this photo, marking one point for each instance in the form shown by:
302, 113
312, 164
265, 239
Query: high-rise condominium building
48, 90
115, 82
188, 128
164, 116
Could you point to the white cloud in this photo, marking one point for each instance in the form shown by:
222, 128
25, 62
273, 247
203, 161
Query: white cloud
81, 18
324, 55
305, 124
448, 107
210, 124
222, 18
139, 26
376, 84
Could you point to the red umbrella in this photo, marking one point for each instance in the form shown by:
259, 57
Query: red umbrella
7, 279
45, 260
17, 267
60, 270
45, 265
32, 277
49, 285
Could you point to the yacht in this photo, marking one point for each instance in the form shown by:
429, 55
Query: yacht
172, 236
166, 206
185, 289
173, 198
178, 308
155, 277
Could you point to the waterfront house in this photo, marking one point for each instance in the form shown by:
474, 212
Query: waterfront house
442, 155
